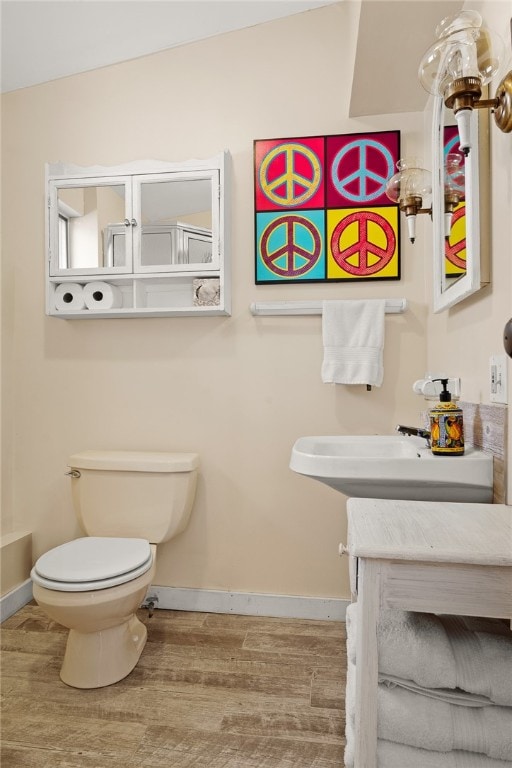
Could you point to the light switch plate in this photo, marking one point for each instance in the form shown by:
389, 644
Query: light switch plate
498, 378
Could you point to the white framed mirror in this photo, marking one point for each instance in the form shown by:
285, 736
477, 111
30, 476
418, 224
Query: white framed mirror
80, 211
157, 222
179, 222
461, 260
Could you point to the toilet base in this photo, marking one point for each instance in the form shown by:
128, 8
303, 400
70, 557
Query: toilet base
96, 659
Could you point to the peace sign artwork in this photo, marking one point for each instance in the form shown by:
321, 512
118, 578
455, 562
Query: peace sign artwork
321, 212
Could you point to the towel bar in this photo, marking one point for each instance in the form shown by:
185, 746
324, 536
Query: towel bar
393, 306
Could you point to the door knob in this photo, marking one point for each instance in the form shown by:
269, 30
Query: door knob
507, 338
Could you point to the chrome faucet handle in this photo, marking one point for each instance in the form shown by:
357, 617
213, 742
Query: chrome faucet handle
417, 431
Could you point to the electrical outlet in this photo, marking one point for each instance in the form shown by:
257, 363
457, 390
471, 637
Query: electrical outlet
498, 378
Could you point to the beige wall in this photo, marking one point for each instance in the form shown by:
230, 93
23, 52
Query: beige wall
237, 390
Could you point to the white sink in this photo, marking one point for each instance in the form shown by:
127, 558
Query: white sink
393, 467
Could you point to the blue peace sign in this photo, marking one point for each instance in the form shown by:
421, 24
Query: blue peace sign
451, 146
363, 174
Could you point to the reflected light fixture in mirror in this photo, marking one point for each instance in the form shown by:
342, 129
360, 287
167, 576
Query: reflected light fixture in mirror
454, 188
465, 58
409, 188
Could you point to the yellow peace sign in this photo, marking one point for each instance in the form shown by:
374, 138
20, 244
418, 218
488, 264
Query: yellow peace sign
290, 187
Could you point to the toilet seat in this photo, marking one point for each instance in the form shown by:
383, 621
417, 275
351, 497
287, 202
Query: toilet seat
92, 563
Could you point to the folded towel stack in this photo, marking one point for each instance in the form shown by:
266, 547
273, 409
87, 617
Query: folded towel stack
445, 691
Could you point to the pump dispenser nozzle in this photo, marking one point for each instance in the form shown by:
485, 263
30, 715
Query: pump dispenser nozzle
445, 395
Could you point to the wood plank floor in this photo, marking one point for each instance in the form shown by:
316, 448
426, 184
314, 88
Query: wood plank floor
209, 691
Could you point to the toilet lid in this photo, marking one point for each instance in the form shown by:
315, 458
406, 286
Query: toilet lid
92, 563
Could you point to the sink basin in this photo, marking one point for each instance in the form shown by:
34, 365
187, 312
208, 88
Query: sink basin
393, 467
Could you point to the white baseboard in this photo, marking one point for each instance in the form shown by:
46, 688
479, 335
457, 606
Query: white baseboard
15, 599
249, 603
214, 601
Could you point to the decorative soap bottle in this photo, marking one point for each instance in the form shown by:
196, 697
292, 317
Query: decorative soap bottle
446, 425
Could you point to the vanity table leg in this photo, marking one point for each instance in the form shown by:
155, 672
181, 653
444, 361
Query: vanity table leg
367, 664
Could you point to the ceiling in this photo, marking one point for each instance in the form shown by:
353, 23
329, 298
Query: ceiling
393, 36
43, 40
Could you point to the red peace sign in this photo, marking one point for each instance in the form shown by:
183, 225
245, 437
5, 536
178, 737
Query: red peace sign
297, 259
362, 247
453, 249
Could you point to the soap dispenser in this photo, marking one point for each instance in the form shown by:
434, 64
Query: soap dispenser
446, 425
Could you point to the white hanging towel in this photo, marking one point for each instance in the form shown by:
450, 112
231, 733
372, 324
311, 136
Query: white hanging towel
353, 337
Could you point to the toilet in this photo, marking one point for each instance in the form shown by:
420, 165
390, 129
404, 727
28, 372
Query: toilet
127, 502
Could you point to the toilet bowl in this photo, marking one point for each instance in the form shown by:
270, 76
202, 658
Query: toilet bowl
105, 636
95, 584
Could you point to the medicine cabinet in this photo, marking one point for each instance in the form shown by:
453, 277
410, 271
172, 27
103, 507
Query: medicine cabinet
145, 239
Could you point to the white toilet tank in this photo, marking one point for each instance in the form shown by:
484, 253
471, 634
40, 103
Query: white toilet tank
147, 495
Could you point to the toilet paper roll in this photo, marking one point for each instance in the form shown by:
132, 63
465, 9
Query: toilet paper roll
100, 295
68, 296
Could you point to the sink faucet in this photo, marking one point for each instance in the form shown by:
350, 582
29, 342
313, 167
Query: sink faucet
414, 431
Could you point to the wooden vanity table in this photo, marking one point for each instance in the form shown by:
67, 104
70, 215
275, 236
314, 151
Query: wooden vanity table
436, 557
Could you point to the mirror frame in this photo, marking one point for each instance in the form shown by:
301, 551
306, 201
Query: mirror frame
477, 197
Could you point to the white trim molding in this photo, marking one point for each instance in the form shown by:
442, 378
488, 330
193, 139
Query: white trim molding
248, 603
214, 601
15, 599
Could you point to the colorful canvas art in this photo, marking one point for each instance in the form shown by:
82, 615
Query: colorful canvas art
321, 211
455, 245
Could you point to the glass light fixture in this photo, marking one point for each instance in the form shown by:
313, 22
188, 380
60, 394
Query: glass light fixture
465, 58
408, 188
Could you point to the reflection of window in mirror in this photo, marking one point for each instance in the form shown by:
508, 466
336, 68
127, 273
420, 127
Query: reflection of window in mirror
114, 245
63, 241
